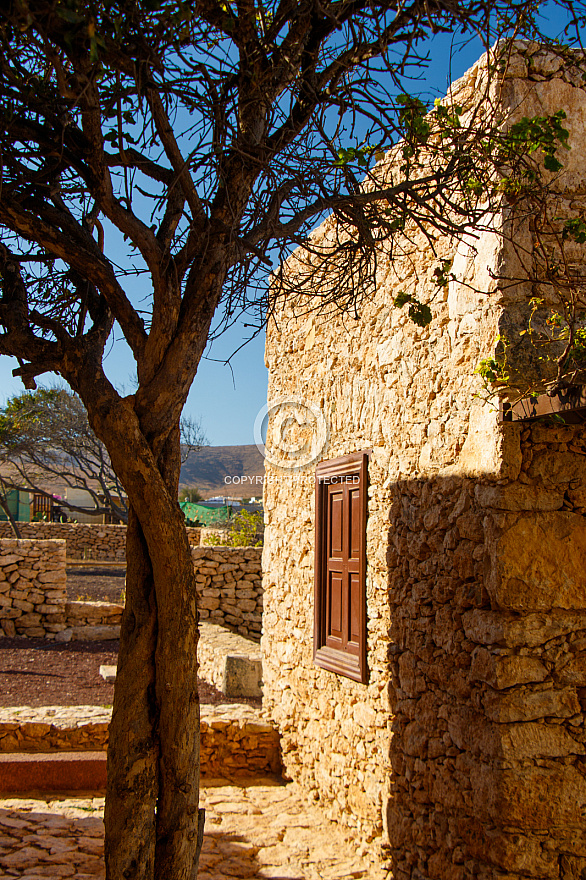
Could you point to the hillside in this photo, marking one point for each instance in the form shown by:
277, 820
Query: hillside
214, 468
206, 469
211, 470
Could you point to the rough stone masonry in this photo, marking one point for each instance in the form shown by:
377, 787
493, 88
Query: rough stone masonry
464, 753
84, 540
33, 588
34, 603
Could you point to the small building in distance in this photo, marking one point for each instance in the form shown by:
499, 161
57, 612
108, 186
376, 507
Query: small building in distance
424, 624
19, 505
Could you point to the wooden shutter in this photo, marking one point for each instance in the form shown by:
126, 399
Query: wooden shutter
340, 566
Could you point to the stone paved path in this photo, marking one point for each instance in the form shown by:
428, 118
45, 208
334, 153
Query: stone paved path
255, 830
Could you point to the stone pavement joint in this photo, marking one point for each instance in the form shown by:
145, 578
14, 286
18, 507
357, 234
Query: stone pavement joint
257, 829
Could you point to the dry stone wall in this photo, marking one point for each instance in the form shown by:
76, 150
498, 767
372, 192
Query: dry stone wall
235, 741
463, 754
91, 621
84, 540
33, 588
229, 587
34, 603
33, 596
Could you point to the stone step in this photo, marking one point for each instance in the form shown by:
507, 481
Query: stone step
55, 771
108, 672
235, 739
229, 661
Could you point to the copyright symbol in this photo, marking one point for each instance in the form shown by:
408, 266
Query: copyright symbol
291, 433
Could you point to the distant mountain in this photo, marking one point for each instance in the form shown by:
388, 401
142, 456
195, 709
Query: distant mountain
212, 470
218, 470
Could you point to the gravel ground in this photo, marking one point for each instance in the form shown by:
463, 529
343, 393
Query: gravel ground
38, 673
34, 672
96, 584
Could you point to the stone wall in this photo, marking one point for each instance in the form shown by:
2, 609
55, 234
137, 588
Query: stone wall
33, 596
228, 582
33, 588
84, 540
489, 670
463, 752
235, 741
229, 587
91, 621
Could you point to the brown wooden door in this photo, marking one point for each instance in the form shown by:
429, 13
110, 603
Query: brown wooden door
340, 566
343, 568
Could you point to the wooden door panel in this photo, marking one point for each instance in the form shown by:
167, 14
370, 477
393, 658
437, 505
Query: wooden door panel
336, 523
354, 615
335, 616
356, 524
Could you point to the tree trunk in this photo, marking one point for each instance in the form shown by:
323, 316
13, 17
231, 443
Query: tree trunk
153, 826
133, 750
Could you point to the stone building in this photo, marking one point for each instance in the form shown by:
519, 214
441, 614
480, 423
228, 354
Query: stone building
424, 629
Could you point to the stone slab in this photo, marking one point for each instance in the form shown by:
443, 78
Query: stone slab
521, 576
108, 673
59, 771
242, 676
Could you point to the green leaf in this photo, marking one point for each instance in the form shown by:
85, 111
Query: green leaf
360, 155
396, 224
551, 163
420, 314
413, 120
441, 277
575, 229
475, 186
545, 133
489, 369
401, 299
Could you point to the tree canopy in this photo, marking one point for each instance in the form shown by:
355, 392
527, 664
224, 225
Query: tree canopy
44, 436
193, 144
46, 440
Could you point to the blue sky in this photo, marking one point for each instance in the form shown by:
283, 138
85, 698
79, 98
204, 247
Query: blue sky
227, 398
226, 401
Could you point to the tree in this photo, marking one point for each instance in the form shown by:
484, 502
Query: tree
190, 493
245, 529
45, 435
205, 140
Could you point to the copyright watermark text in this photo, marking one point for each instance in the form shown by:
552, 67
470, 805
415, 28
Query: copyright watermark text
259, 480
